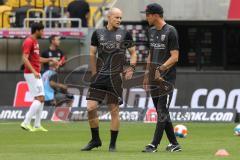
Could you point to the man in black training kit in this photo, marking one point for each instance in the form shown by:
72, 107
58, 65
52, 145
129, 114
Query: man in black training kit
163, 55
110, 43
54, 52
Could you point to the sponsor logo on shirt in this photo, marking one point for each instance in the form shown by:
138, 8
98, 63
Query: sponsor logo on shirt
163, 37
109, 46
158, 45
36, 49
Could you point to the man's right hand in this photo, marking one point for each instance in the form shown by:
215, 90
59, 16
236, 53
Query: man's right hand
93, 73
146, 83
53, 60
37, 75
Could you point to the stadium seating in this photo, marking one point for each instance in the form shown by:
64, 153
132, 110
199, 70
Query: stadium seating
14, 4
5, 12
37, 3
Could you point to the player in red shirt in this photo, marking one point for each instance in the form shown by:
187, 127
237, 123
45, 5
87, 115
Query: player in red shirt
32, 64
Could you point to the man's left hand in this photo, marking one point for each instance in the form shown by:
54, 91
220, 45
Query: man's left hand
128, 73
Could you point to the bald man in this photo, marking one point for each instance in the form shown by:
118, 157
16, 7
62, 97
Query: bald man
111, 43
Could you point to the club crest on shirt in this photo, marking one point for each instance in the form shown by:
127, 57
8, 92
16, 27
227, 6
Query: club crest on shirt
163, 37
118, 37
151, 37
101, 37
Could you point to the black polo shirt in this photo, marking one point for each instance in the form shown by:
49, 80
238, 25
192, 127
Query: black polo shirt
111, 49
160, 43
58, 54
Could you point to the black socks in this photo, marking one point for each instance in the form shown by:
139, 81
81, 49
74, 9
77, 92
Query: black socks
95, 133
95, 136
114, 135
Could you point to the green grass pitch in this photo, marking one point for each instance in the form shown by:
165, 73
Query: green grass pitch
64, 140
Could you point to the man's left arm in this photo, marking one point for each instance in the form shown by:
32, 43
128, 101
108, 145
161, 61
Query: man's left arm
133, 56
62, 59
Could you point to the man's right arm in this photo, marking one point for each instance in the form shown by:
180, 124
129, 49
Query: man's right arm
29, 66
147, 66
93, 51
146, 74
58, 86
26, 51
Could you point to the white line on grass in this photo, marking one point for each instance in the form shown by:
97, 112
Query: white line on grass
7, 123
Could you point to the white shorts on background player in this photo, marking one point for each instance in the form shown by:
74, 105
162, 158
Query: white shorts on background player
35, 85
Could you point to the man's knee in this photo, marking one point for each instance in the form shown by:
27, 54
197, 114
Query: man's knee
114, 110
91, 105
163, 116
92, 110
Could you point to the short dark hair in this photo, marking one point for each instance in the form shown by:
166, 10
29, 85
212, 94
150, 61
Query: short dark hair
36, 26
52, 37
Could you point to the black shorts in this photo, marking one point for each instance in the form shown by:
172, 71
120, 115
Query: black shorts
106, 87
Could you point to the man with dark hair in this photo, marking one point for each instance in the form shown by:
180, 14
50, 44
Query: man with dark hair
37, 27
79, 9
163, 56
54, 51
32, 62
110, 44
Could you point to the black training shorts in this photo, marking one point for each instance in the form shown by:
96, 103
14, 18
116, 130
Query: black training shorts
106, 87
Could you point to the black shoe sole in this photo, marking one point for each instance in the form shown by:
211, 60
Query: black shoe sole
149, 152
90, 148
25, 129
153, 151
177, 150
